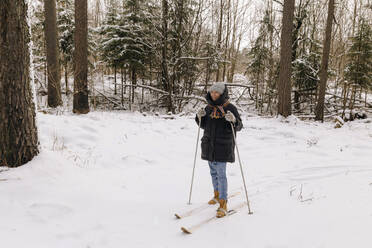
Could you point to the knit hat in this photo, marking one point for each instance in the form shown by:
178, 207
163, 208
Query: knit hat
218, 87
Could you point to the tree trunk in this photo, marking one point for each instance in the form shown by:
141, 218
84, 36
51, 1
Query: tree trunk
115, 83
130, 94
219, 37
164, 62
52, 54
66, 78
227, 38
81, 103
18, 132
285, 65
134, 81
122, 86
125, 80
319, 110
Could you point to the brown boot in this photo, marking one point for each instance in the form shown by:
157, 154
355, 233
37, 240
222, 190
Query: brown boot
222, 211
215, 199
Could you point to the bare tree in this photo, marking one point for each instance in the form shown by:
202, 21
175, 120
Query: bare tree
52, 54
81, 103
285, 70
319, 111
18, 133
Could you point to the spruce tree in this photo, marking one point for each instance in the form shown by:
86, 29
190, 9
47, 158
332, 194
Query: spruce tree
111, 45
133, 37
258, 56
359, 67
306, 68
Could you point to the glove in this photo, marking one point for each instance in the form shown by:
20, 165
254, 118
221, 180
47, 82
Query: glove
230, 117
201, 113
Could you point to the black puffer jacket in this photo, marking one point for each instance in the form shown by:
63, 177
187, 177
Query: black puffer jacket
217, 142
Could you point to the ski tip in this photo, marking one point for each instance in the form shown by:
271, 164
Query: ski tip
177, 216
231, 212
185, 230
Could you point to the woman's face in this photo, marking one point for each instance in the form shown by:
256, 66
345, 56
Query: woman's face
215, 95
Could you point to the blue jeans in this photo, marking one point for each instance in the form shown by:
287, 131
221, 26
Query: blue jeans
219, 180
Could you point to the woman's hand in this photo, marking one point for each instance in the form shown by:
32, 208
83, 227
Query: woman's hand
229, 116
201, 113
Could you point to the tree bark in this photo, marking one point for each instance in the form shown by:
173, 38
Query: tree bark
18, 132
52, 54
285, 65
81, 103
319, 110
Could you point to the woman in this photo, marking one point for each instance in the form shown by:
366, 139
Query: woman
217, 142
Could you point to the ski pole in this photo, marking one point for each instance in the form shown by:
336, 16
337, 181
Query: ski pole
241, 169
193, 169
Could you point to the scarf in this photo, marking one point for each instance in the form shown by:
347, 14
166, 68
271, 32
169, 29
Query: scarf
215, 114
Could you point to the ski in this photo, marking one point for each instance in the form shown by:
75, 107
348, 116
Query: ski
201, 208
190, 230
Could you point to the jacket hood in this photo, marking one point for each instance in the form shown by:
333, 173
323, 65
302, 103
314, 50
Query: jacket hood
221, 100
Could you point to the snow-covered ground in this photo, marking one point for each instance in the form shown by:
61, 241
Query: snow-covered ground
115, 179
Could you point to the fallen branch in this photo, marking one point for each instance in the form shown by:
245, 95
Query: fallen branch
340, 97
146, 87
191, 97
117, 104
163, 92
228, 85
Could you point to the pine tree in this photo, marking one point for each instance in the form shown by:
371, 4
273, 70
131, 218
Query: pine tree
111, 46
306, 67
52, 52
258, 56
319, 110
124, 39
359, 67
181, 70
18, 132
164, 55
134, 44
81, 101
259, 59
285, 71
65, 25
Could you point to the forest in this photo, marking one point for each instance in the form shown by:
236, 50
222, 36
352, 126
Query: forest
162, 55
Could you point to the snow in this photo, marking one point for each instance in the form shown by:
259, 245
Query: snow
115, 179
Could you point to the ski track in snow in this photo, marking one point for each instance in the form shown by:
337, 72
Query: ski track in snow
115, 179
